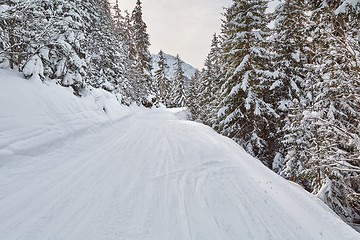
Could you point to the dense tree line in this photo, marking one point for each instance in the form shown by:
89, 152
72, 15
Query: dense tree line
80, 44
290, 94
84, 44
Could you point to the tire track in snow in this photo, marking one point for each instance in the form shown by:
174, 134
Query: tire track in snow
152, 177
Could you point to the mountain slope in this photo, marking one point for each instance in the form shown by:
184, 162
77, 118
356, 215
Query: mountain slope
171, 61
133, 174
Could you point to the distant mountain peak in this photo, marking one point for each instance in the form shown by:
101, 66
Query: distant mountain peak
170, 61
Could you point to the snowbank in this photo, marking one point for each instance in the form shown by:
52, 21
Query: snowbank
35, 116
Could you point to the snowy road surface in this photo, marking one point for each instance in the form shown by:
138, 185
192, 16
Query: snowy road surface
152, 176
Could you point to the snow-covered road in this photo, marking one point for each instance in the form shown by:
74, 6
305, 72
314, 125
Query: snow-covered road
153, 176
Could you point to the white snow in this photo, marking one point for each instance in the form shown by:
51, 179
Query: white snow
71, 171
34, 67
276, 84
36, 116
296, 56
4, 8
309, 115
343, 8
235, 90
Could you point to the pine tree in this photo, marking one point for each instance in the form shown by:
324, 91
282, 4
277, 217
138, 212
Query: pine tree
163, 83
209, 87
116, 15
178, 96
123, 28
216, 83
141, 38
291, 86
205, 89
192, 101
140, 52
107, 55
245, 115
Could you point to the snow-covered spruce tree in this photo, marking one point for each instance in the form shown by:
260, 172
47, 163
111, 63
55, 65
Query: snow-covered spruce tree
332, 168
117, 16
177, 95
291, 93
209, 85
205, 92
192, 100
106, 55
215, 57
162, 82
67, 57
140, 52
140, 38
123, 28
245, 116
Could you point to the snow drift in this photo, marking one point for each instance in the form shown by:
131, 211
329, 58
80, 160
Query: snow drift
35, 116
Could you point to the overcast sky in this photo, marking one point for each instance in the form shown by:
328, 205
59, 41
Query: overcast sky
181, 26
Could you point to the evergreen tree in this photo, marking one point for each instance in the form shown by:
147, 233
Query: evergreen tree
116, 15
178, 96
209, 87
140, 52
163, 83
107, 54
141, 38
123, 28
245, 115
215, 58
291, 86
205, 89
192, 101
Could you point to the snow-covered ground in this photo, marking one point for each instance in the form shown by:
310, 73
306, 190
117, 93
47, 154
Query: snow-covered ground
36, 116
71, 171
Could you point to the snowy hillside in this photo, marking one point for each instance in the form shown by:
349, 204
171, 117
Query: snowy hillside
35, 117
171, 61
86, 168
